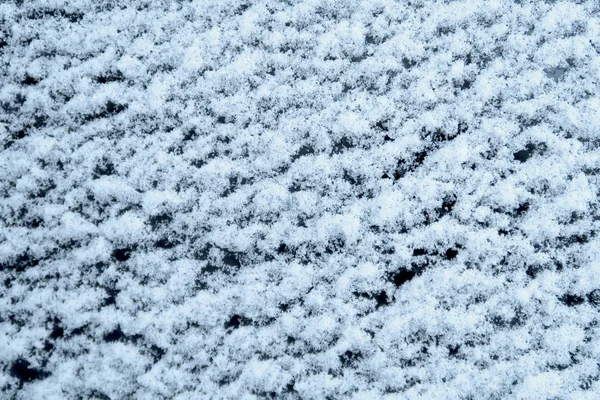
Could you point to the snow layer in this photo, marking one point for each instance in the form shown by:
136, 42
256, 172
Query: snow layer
302, 200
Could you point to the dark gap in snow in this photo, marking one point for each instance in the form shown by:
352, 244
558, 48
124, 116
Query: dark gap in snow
231, 259
402, 276
21, 370
111, 297
104, 168
39, 121
594, 297
447, 206
304, 150
157, 353
189, 135
521, 209
210, 268
419, 252
157, 221
451, 254
524, 155
453, 350
556, 73
349, 358
29, 81
408, 63
382, 299
236, 321
342, 145
282, 248
122, 254
114, 108
115, 77
572, 300
21, 263
165, 243
72, 17
57, 331
383, 127
420, 157
117, 335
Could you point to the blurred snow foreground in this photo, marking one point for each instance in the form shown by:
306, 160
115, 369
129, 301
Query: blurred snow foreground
299, 200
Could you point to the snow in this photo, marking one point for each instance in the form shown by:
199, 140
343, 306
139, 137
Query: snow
312, 199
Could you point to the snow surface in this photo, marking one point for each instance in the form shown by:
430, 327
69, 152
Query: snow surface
301, 200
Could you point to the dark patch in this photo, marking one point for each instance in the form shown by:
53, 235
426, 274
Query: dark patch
447, 207
122, 255
451, 254
210, 268
386, 138
39, 121
57, 332
370, 39
221, 120
114, 336
20, 370
408, 63
502, 232
21, 263
385, 176
522, 209
79, 331
282, 248
524, 155
383, 126
518, 320
165, 243
231, 259
453, 350
156, 353
236, 321
114, 108
572, 300
349, 358
103, 79
304, 150
382, 299
111, 297
104, 168
29, 81
533, 270
402, 276
156, 221
353, 180
594, 297
190, 135
556, 73
242, 8
420, 157
419, 252
343, 144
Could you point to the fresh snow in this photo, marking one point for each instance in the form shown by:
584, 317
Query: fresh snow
299, 199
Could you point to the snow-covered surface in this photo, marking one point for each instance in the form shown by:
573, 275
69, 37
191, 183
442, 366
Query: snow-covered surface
318, 199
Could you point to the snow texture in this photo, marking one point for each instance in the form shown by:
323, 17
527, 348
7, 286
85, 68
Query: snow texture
300, 200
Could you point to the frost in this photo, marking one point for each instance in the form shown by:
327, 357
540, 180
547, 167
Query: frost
312, 199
